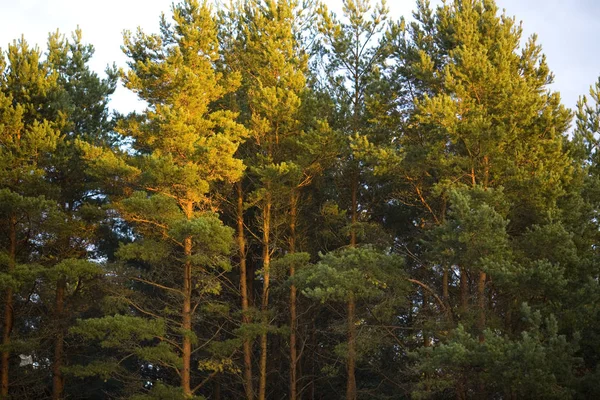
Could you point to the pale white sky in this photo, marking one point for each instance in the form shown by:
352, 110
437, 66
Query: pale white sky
568, 31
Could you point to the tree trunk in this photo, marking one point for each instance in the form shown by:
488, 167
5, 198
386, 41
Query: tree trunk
186, 312
445, 294
313, 359
216, 395
293, 313
8, 308
355, 176
464, 289
247, 345
58, 380
293, 345
486, 171
351, 364
481, 305
482, 275
425, 310
250, 273
426, 338
354, 211
262, 387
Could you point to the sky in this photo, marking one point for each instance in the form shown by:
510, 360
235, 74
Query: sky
568, 31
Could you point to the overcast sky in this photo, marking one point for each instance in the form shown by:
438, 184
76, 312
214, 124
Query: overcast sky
569, 32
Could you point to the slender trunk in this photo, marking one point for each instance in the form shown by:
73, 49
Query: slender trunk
445, 295
8, 308
354, 211
58, 380
481, 305
481, 325
293, 348
486, 171
351, 362
293, 314
216, 391
351, 365
247, 345
313, 359
186, 312
482, 275
425, 310
262, 386
464, 288
426, 337
250, 273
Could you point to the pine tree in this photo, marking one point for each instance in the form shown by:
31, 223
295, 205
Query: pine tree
29, 136
274, 78
181, 147
353, 53
374, 280
483, 118
82, 102
580, 216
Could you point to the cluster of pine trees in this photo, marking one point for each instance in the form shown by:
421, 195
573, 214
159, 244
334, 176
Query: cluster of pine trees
309, 207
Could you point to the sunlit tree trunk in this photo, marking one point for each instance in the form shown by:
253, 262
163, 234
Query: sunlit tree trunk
351, 362
247, 345
262, 387
293, 311
186, 312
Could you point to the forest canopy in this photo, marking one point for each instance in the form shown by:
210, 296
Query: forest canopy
309, 206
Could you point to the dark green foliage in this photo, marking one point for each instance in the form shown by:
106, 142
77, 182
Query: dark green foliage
536, 364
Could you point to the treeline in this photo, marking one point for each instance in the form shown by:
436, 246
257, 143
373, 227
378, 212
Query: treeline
309, 207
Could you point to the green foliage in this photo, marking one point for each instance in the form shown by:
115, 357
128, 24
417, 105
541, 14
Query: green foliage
474, 230
97, 368
119, 330
588, 124
160, 391
540, 363
186, 145
363, 272
74, 269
